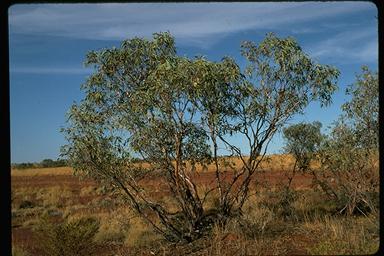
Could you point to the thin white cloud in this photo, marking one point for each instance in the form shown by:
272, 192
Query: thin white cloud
50, 70
369, 53
305, 30
349, 46
190, 22
202, 24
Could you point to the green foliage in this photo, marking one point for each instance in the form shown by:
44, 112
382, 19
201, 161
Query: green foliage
281, 69
68, 237
362, 111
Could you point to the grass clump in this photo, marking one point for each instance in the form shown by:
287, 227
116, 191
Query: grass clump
26, 204
256, 218
113, 227
18, 251
140, 234
346, 236
88, 191
54, 196
68, 238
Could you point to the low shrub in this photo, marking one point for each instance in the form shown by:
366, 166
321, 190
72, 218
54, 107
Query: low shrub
68, 238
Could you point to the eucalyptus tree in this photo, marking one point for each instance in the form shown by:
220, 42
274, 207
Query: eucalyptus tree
143, 100
279, 81
362, 111
350, 155
140, 102
303, 141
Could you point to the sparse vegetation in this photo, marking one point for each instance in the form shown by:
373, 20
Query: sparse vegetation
180, 197
348, 236
68, 237
261, 230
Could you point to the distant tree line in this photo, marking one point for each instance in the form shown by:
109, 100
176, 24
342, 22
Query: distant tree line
46, 163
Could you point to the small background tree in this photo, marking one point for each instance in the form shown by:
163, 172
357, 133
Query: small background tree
302, 141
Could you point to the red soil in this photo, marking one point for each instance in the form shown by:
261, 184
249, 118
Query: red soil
204, 178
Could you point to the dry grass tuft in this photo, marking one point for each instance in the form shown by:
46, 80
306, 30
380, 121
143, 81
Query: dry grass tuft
343, 235
19, 251
114, 226
88, 191
140, 234
54, 196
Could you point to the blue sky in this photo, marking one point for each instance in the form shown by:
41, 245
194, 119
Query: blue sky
48, 43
